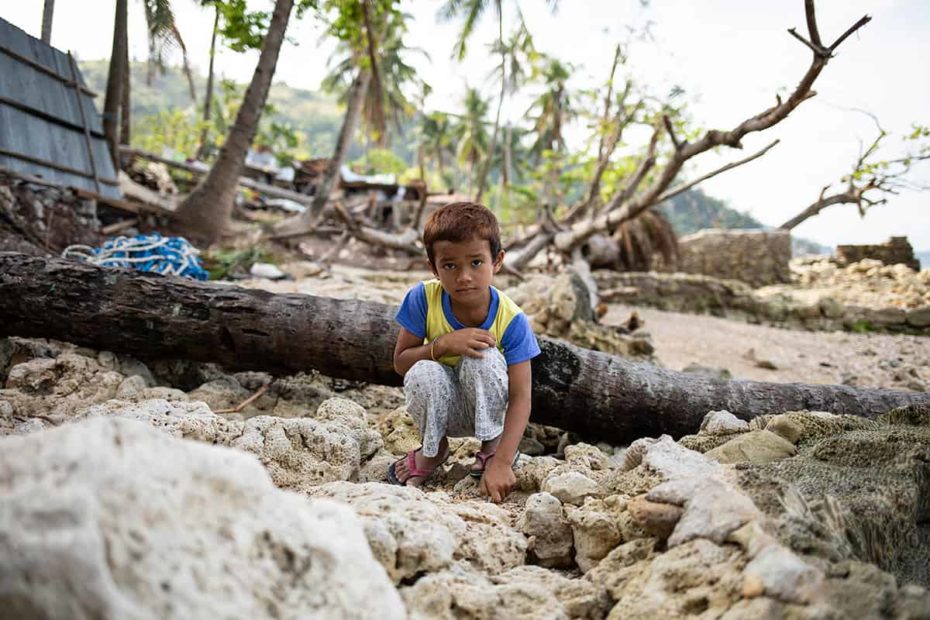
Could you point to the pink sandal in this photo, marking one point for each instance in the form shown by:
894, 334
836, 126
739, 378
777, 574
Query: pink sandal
483, 458
410, 460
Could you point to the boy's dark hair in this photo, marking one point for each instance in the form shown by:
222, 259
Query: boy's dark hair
461, 221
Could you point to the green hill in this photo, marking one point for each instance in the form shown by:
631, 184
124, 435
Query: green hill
315, 115
693, 210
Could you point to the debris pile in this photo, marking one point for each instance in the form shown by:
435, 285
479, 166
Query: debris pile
868, 282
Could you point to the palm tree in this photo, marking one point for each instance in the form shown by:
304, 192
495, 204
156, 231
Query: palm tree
516, 55
115, 76
436, 134
162, 32
208, 94
163, 35
552, 109
206, 210
359, 26
471, 134
386, 103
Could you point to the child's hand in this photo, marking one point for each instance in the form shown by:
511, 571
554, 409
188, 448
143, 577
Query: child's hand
498, 480
469, 342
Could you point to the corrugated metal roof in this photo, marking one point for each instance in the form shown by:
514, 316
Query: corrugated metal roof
49, 126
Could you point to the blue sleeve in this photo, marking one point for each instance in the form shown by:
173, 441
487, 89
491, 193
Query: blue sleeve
519, 341
412, 312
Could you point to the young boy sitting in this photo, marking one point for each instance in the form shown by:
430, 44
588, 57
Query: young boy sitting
464, 350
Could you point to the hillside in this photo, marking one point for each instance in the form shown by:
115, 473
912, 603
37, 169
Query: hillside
316, 115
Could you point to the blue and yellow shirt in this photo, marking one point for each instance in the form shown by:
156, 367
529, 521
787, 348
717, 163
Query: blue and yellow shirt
426, 312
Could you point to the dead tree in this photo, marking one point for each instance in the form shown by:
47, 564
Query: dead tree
631, 200
599, 396
868, 180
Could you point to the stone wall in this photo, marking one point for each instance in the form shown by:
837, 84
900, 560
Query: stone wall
897, 250
777, 305
757, 257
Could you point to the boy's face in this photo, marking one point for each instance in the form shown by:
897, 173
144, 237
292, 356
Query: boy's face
465, 268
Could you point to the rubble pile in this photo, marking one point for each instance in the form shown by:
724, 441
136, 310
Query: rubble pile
868, 282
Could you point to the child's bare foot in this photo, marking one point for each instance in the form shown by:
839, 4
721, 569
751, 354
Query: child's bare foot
488, 449
414, 469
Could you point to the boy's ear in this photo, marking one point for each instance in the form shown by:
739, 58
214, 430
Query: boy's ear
432, 267
499, 261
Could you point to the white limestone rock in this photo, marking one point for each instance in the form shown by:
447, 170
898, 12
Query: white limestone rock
722, 423
550, 535
111, 518
571, 487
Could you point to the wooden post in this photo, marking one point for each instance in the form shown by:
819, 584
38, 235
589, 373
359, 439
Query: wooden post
47, 12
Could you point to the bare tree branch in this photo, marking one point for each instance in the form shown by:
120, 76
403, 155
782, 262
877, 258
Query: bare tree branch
579, 233
683, 188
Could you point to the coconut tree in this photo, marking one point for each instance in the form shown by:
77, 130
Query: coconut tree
164, 36
358, 26
517, 55
552, 109
387, 102
470, 12
205, 212
471, 133
436, 136
115, 77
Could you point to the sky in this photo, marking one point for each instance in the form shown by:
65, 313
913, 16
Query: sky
732, 57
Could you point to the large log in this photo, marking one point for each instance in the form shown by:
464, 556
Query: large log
599, 396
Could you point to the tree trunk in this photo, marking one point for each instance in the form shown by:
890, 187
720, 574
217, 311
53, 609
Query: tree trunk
486, 168
208, 96
47, 13
599, 396
306, 220
205, 213
113, 97
125, 98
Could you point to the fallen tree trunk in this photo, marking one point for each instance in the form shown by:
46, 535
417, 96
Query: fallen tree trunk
599, 396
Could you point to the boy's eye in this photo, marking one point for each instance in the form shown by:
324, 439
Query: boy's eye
449, 266
477, 262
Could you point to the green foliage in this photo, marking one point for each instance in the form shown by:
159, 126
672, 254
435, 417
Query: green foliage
222, 263
862, 326
244, 30
380, 161
174, 128
312, 118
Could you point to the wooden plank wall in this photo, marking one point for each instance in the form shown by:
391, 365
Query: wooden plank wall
40, 116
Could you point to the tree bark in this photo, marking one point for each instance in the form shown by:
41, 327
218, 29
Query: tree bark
205, 213
125, 98
47, 12
208, 95
113, 96
851, 196
599, 396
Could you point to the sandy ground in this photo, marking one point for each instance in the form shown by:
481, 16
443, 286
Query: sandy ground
747, 351
866, 360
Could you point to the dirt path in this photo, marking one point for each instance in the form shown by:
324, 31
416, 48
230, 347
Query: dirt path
866, 360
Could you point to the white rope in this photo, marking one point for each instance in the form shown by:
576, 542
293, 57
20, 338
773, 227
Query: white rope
133, 252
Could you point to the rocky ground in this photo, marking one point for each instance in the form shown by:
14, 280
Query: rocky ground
151, 490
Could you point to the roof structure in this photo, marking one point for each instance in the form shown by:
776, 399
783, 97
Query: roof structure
49, 126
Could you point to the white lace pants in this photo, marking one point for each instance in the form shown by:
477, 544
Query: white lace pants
469, 400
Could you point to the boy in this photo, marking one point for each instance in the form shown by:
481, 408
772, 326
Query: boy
464, 350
